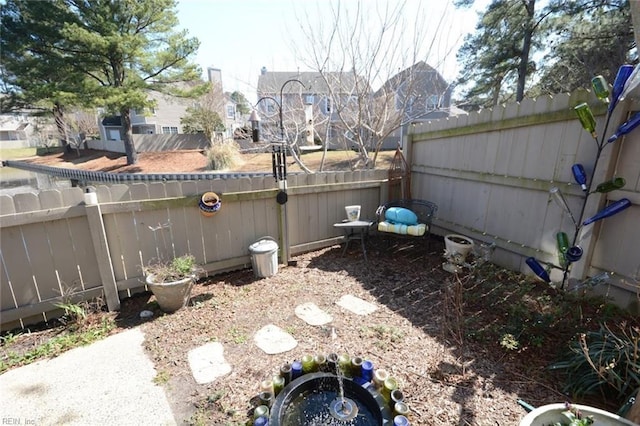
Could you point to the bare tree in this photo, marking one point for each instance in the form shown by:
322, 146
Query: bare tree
81, 126
358, 52
205, 116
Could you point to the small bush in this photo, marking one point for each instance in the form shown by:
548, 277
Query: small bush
222, 156
601, 359
174, 270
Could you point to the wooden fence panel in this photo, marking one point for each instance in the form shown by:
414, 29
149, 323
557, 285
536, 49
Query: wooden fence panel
122, 235
61, 245
44, 259
176, 217
193, 225
490, 174
145, 221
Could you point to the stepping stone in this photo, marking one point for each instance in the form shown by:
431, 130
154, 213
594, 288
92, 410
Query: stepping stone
312, 315
274, 340
207, 363
356, 305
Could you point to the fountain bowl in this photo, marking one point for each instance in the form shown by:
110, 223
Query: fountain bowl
308, 400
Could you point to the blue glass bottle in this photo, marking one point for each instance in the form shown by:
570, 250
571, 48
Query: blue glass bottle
296, 370
574, 254
610, 210
367, 370
261, 421
580, 175
618, 84
537, 268
626, 127
400, 421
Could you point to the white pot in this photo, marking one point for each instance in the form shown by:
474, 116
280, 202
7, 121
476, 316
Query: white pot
353, 213
460, 244
551, 413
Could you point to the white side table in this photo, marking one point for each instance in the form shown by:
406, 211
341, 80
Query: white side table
355, 230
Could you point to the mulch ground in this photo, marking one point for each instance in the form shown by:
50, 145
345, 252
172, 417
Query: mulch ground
417, 334
438, 333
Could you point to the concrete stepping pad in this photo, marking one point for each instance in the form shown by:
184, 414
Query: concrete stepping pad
207, 363
274, 340
312, 314
356, 305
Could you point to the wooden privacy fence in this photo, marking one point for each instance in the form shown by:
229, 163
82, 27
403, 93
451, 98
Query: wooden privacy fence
490, 174
58, 245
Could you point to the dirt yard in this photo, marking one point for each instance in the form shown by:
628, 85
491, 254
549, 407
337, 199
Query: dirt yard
444, 383
441, 335
196, 161
452, 372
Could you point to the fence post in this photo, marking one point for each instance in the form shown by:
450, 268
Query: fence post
99, 238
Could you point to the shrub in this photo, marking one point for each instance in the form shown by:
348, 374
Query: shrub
600, 359
222, 156
174, 270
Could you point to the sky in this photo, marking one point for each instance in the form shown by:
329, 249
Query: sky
239, 37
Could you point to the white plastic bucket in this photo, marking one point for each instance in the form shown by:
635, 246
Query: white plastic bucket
264, 257
353, 213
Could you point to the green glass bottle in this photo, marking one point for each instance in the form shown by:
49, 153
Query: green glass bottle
611, 185
344, 363
308, 364
586, 118
563, 246
600, 88
278, 384
321, 362
390, 384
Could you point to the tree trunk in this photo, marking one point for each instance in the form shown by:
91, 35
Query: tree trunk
129, 146
526, 48
58, 116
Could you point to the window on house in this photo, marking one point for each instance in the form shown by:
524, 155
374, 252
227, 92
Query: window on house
327, 106
433, 102
410, 103
169, 130
231, 111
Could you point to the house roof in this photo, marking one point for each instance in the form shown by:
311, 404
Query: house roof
420, 75
272, 82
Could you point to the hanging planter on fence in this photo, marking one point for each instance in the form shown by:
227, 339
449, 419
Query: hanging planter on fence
209, 204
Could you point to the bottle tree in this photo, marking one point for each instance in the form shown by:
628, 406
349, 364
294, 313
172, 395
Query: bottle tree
569, 252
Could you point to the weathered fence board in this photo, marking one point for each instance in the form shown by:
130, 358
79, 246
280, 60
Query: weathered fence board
490, 174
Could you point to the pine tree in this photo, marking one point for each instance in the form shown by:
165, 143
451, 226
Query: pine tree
122, 49
575, 40
497, 56
36, 74
592, 38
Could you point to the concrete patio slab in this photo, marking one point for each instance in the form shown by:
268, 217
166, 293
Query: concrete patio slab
312, 314
356, 305
274, 340
207, 363
109, 382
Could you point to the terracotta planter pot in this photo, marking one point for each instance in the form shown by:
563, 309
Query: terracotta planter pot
549, 414
173, 295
